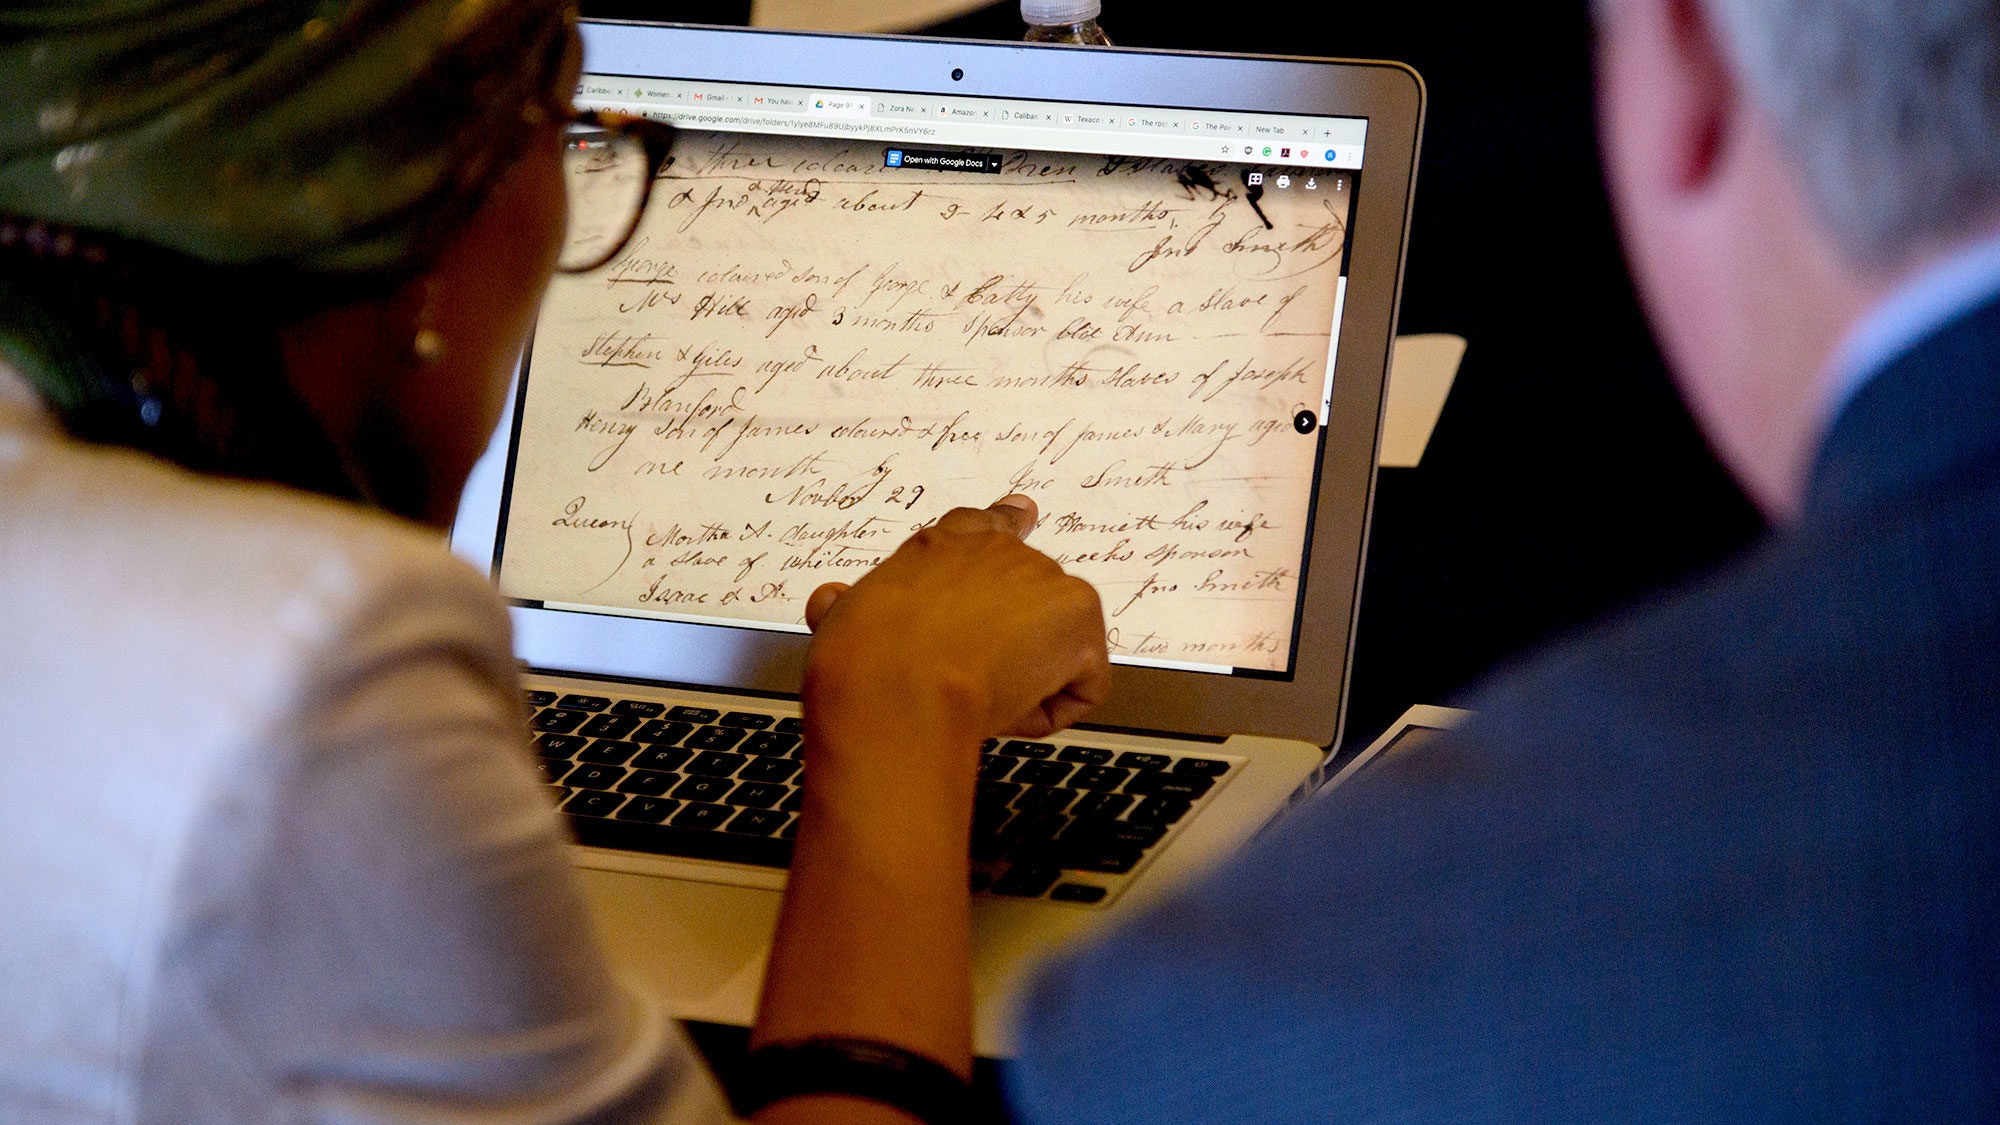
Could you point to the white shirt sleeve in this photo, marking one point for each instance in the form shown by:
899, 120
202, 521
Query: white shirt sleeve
376, 920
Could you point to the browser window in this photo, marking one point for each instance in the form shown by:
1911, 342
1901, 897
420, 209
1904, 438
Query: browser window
847, 312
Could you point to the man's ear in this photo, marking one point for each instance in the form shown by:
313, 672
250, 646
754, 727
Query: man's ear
1668, 91
1708, 94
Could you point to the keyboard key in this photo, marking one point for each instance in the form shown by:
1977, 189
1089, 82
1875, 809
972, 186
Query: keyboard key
609, 752
703, 789
591, 802
1105, 860
552, 769
1169, 785
1109, 847
648, 783
1022, 749
1159, 810
610, 726
1201, 767
748, 720
770, 742
1027, 880
559, 745
538, 698
756, 795
795, 802
791, 725
981, 882
1122, 833
774, 770
692, 714
758, 822
1133, 760
1033, 833
664, 839
1042, 773
713, 738
716, 764
1101, 806
989, 746
648, 810
996, 767
665, 758
587, 776
1088, 755
556, 720
1098, 777
989, 833
1077, 892
663, 732
639, 708
1000, 793
584, 702
1037, 799
702, 816
790, 831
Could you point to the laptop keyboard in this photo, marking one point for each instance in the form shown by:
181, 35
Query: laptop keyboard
1058, 820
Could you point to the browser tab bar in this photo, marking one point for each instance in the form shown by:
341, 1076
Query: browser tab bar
920, 120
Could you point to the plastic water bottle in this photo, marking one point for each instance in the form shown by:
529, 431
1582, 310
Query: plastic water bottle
1064, 21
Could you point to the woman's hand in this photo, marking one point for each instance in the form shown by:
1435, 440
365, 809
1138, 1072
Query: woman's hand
968, 614
963, 633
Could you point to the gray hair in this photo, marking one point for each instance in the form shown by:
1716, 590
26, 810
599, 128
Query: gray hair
1891, 109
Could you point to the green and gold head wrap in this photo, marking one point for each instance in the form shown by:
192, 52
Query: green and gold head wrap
180, 177
335, 136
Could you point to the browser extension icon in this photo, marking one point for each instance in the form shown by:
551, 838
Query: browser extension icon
893, 159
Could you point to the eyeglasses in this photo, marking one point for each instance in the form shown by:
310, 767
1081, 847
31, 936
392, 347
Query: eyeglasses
610, 161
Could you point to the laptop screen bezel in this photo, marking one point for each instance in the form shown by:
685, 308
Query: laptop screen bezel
1310, 703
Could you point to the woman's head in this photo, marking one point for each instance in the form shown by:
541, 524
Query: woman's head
380, 178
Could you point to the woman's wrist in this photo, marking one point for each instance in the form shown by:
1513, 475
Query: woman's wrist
884, 725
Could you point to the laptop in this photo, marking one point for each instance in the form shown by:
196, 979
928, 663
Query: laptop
881, 278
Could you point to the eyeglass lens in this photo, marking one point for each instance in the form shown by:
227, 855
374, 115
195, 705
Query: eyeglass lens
605, 175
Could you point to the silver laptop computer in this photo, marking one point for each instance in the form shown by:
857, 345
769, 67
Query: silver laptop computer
881, 278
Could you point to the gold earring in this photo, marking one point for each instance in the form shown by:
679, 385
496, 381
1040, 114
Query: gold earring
428, 343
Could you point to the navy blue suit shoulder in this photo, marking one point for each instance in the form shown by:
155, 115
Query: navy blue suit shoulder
1729, 858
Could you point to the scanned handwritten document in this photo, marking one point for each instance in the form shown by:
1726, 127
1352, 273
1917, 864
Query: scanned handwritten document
806, 355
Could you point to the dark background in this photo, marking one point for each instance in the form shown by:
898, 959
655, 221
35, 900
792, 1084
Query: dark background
1564, 477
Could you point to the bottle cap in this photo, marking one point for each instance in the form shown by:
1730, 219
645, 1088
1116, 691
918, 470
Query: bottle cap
1059, 13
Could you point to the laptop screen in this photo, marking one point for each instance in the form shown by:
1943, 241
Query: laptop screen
846, 312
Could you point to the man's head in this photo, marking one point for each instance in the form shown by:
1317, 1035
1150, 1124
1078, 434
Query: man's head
1778, 165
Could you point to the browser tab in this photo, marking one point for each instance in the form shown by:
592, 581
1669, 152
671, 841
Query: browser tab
1025, 116
841, 105
901, 107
